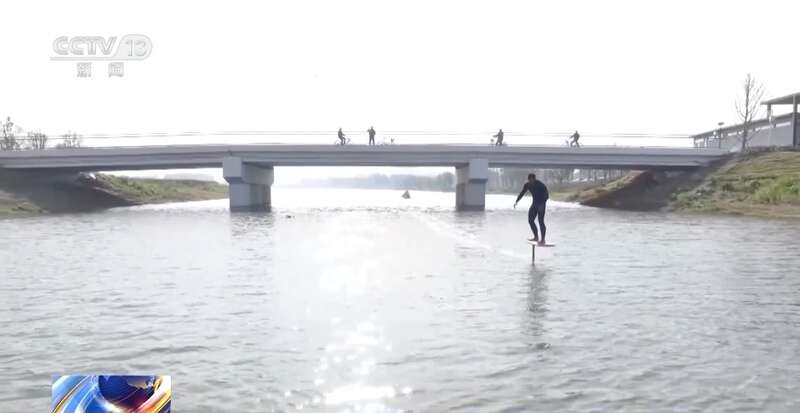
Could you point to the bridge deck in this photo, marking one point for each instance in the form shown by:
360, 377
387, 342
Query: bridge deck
200, 156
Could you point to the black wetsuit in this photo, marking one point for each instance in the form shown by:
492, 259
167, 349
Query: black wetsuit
540, 196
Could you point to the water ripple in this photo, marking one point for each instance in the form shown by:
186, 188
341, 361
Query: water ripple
377, 305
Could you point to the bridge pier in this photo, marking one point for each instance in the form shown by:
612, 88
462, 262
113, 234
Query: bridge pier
471, 185
250, 185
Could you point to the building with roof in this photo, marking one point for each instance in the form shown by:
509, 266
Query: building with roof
771, 131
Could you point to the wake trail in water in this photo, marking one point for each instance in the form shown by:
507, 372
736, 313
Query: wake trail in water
462, 237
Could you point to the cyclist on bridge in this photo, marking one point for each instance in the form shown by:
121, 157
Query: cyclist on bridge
499, 137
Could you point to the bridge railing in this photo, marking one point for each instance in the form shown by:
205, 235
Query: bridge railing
361, 138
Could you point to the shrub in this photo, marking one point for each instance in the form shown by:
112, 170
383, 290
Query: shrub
782, 190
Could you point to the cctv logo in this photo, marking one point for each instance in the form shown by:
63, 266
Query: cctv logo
85, 48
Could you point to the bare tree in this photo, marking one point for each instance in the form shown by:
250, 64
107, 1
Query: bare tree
748, 105
9, 141
70, 140
562, 176
37, 140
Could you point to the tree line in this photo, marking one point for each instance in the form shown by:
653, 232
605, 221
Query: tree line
500, 180
512, 179
442, 182
14, 138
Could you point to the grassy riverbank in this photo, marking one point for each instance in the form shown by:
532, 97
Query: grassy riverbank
24, 194
761, 184
155, 191
765, 184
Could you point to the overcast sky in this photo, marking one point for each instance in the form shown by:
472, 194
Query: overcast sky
526, 66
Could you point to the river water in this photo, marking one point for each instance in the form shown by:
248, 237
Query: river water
356, 300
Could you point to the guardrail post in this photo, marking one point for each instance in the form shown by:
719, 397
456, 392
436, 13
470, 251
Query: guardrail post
795, 138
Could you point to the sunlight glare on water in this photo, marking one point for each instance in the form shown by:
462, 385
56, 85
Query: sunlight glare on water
357, 300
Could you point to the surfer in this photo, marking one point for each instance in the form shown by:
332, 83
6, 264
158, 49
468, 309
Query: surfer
540, 195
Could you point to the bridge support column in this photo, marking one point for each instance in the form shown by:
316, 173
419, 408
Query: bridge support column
471, 185
249, 185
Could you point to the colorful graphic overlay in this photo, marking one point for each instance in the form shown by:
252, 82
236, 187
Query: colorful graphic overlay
111, 394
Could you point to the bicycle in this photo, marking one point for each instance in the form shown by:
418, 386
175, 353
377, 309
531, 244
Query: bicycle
339, 142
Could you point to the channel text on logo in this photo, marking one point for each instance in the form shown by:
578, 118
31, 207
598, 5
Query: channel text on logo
86, 48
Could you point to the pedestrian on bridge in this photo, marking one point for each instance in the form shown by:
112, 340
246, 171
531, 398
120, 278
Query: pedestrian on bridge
574, 139
371, 132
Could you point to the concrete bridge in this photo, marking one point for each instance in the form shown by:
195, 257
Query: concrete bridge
249, 168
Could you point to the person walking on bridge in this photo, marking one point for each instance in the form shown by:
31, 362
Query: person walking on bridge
540, 196
371, 132
574, 139
499, 137
341, 136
